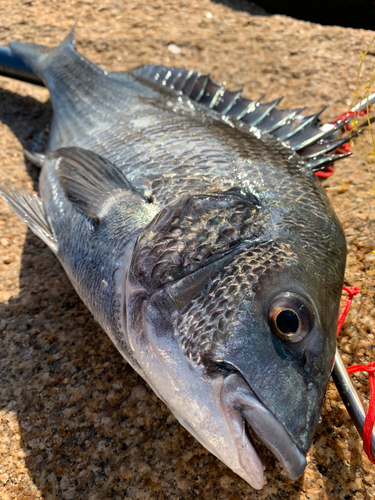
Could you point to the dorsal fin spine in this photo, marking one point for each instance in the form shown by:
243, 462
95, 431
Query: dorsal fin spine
295, 131
326, 147
319, 136
192, 86
166, 78
304, 124
322, 162
251, 107
203, 89
284, 121
217, 95
272, 105
172, 83
232, 103
182, 84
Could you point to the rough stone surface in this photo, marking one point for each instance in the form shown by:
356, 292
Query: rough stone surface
76, 422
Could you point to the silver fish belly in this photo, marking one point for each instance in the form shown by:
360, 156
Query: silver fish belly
191, 223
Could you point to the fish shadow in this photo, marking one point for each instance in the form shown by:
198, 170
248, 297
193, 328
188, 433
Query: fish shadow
29, 120
89, 426
335, 13
88, 423
252, 8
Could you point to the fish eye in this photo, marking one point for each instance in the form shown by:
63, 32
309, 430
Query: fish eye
291, 317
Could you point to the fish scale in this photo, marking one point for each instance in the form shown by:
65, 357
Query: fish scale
203, 245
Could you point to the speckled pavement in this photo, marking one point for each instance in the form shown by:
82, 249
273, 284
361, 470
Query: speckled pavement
76, 422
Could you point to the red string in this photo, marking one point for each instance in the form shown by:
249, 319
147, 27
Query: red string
345, 148
351, 291
348, 114
327, 172
370, 369
370, 415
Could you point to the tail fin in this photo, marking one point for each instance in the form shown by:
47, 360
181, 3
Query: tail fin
36, 56
68, 76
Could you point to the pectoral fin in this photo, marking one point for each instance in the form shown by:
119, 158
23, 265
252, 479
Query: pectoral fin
92, 183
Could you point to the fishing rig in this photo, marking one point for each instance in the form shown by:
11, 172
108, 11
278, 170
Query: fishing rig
317, 140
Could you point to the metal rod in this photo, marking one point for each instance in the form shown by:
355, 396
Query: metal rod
350, 397
363, 104
12, 67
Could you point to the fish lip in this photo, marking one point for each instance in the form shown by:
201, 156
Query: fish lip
238, 396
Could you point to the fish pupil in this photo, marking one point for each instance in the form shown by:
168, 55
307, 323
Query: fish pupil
287, 322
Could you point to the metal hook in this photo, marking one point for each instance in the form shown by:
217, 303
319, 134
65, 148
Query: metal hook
350, 397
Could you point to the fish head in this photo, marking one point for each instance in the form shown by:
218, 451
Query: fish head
234, 328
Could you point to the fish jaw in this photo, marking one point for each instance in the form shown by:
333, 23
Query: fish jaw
240, 402
229, 427
194, 398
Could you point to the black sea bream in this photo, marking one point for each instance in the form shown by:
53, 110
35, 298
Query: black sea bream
191, 223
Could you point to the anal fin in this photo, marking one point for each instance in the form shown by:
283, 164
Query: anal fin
30, 210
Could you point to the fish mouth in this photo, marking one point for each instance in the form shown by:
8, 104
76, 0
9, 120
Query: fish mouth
241, 406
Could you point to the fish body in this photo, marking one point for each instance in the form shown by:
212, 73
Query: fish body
203, 245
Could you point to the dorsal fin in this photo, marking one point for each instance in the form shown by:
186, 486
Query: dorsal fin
90, 181
301, 133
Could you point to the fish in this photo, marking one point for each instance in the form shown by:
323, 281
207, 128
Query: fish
191, 223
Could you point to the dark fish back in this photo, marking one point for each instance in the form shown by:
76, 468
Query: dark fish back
168, 145
164, 143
